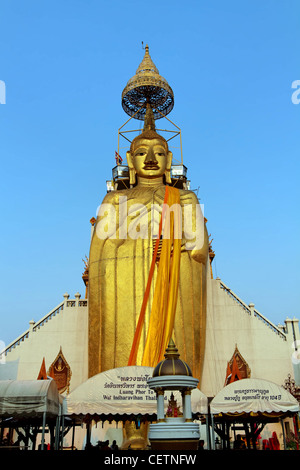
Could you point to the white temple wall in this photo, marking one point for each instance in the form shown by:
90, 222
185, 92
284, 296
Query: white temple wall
66, 329
264, 347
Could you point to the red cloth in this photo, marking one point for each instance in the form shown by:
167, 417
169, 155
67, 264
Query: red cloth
274, 442
266, 444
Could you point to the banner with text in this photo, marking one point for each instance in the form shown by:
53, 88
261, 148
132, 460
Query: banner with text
253, 395
123, 391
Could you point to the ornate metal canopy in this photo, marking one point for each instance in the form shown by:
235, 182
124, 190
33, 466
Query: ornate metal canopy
147, 86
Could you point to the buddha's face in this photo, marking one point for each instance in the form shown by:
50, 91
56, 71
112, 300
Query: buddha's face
150, 158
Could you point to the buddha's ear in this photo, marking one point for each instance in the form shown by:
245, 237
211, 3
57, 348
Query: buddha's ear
131, 168
168, 168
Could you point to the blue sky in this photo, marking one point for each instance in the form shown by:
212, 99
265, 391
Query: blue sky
231, 66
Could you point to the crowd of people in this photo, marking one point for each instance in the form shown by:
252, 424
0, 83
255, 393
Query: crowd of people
103, 445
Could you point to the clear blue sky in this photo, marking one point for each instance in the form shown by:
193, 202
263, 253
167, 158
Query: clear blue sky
231, 65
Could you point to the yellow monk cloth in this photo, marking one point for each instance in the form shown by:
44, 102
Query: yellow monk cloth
164, 302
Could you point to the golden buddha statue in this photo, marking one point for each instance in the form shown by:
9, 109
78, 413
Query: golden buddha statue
147, 267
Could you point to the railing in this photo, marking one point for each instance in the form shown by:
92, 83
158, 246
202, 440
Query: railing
48, 317
15, 343
269, 324
235, 297
53, 313
252, 311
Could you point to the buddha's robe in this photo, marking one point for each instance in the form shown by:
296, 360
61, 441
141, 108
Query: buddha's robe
119, 267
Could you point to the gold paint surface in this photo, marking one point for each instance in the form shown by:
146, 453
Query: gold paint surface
118, 273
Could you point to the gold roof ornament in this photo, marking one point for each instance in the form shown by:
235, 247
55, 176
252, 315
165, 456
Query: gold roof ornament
147, 86
172, 364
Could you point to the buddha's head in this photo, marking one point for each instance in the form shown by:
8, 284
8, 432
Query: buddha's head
149, 156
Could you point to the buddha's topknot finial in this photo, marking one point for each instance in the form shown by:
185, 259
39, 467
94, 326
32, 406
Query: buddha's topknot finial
147, 86
149, 122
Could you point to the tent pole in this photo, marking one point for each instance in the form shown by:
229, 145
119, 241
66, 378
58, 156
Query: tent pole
208, 433
52, 435
43, 430
62, 432
88, 435
33, 436
223, 434
283, 434
73, 435
228, 434
213, 431
253, 436
57, 430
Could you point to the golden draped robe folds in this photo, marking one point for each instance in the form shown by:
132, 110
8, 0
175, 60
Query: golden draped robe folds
137, 299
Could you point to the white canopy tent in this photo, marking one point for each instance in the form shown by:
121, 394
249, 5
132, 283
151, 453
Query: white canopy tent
253, 396
253, 399
122, 391
27, 400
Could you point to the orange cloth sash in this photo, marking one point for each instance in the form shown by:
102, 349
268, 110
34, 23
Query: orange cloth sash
163, 309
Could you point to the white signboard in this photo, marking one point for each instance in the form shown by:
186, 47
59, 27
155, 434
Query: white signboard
128, 384
253, 395
123, 390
